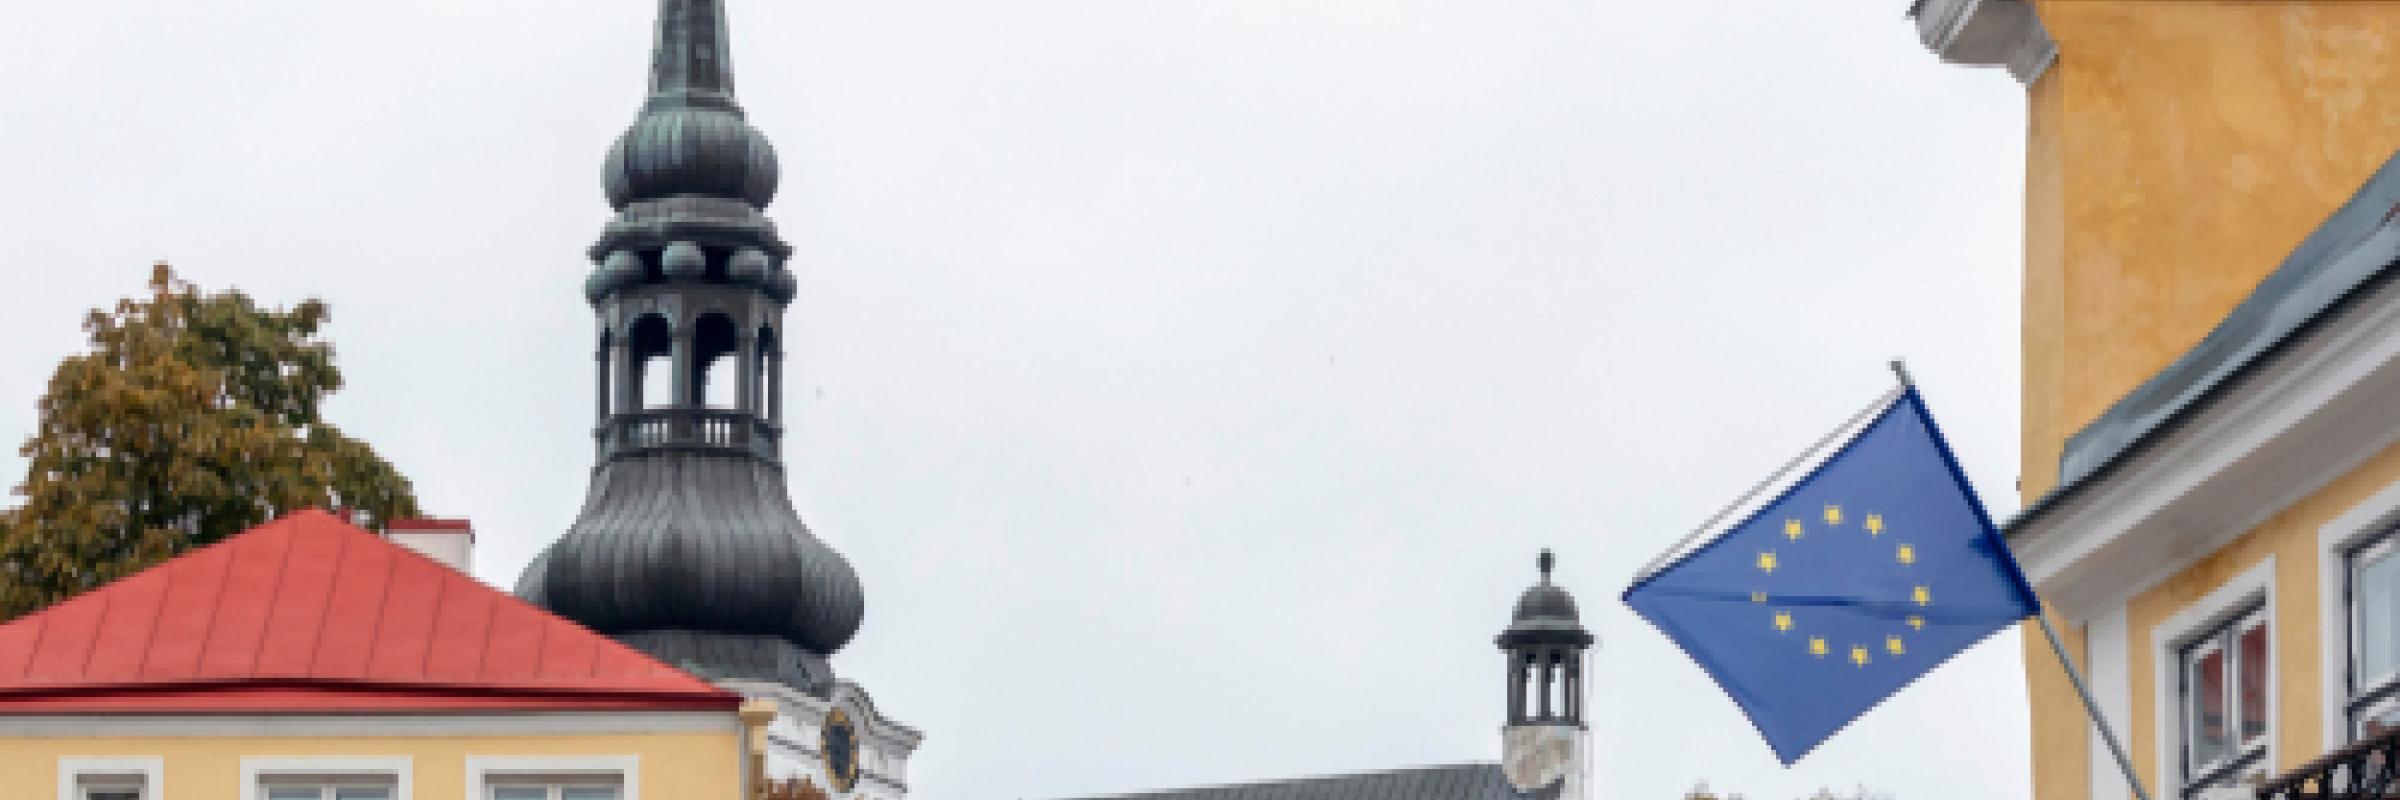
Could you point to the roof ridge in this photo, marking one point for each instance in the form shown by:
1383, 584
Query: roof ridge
266, 623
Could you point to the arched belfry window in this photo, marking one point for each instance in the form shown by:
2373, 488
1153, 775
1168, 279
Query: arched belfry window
714, 345
769, 381
650, 350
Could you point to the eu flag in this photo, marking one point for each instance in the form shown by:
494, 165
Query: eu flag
1861, 567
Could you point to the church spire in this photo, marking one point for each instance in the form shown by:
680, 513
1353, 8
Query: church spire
688, 547
691, 61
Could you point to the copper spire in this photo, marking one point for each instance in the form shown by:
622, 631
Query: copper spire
691, 62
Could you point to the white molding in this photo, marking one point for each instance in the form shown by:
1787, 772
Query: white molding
2371, 517
277, 726
2255, 584
153, 770
2307, 416
627, 769
2108, 662
258, 768
885, 745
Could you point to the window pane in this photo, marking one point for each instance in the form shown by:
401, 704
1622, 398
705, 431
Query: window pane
2251, 644
2204, 721
520, 793
294, 793
2375, 591
112, 794
362, 793
589, 793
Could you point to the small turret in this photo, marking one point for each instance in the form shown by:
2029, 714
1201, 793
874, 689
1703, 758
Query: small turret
1543, 745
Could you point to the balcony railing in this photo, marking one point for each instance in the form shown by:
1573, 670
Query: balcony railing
689, 429
2364, 770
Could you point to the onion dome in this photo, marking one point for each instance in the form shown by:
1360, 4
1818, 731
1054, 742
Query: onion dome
1545, 613
691, 139
685, 152
694, 543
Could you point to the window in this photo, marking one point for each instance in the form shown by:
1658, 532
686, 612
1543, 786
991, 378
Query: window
570, 789
125, 778
554, 777
2371, 590
326, 778
109, 787
343, 788
2224, 685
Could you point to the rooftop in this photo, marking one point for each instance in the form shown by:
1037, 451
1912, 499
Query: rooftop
311, 613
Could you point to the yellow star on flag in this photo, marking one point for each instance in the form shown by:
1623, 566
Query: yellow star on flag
1916, 622
1891, 644
1922, 595
1766, 561
1783, 621
1908, 554
1791, 529
1833, 515
1758, 597
1816, 646
1874, 524
1858, 655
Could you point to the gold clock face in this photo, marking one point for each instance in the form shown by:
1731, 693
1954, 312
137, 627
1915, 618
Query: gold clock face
839, 743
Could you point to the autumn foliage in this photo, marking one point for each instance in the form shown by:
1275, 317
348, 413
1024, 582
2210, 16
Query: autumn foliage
192, 417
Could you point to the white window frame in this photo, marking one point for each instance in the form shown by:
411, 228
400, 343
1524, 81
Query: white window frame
258, 771
2254, 588
483, 771
2353, 685
150, 770
2363, 523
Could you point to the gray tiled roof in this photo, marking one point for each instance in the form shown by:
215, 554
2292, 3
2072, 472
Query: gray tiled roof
1479, 781
2344, 258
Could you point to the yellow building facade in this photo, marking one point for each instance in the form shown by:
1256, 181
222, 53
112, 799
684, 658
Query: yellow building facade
449, 757
2208, 458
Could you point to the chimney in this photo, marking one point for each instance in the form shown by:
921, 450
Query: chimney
450, 541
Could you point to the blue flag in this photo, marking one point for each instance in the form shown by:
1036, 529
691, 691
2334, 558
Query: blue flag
1853, 573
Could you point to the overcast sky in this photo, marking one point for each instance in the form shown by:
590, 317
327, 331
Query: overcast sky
1190, 381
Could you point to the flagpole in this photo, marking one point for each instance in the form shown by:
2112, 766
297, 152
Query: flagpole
2091, 706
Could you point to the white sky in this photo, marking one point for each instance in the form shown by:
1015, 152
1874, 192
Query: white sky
1191, 382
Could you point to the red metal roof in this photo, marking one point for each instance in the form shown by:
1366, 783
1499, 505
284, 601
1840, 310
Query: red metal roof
310, 613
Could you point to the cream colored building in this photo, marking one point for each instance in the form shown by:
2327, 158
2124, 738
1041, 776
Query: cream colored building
2211, 377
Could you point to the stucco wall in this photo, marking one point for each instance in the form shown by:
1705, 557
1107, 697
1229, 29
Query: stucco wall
2193, 144
2176, 152
672, 766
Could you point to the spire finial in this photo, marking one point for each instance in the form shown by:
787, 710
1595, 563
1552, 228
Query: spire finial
691, 63
1545, 562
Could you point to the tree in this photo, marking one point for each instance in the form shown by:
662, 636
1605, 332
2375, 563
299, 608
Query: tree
193, 417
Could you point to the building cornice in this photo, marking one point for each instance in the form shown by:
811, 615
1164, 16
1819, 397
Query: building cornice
1987, 33
2278, 434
